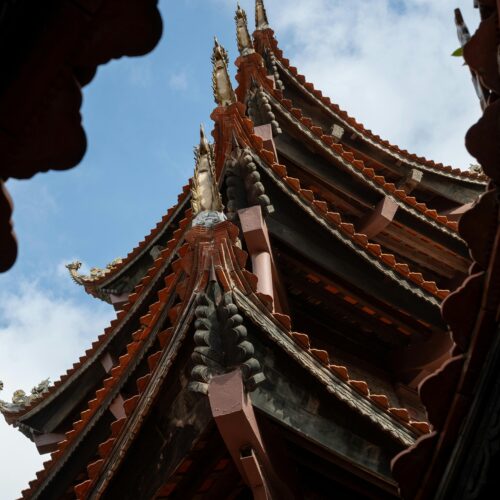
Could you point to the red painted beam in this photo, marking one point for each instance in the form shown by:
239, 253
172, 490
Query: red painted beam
382, 215
233, 413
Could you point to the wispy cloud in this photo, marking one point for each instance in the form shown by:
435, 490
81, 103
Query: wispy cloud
179, 81
41, 334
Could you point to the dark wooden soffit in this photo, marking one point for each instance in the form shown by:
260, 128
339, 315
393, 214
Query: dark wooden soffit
48, 51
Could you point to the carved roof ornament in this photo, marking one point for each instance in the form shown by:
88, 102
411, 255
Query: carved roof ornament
245, 45
95, 273
205, 197
73, 268
21, 399
476, 168
221, 83
221, 341
261, 22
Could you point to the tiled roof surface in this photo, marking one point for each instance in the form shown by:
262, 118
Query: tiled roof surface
334, 220
229, 261
102, 340
370, 175
266, 38
106, 390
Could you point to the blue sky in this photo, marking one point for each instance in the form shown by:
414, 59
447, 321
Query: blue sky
387, 62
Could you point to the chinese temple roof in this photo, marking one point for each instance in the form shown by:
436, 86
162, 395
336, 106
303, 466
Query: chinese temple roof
289, 279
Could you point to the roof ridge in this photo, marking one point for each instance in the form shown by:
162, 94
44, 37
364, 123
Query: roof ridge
267, 35
368, 172
115, 324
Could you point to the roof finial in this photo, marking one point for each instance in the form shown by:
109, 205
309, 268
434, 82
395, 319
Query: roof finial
205, 196
221, 83
245, 45
261, 22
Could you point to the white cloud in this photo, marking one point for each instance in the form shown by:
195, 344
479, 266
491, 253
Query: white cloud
179, 81
41, 334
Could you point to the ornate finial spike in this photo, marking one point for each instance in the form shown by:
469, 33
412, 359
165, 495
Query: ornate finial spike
261, 22
221, 83
205, 196
245, 45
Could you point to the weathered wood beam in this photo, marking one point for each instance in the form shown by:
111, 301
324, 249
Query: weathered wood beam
351, 267
265, 132
118, 300
107, 361
411, 180
337, 132
117, 408
46, 443
234, 416
381, 216
455, 261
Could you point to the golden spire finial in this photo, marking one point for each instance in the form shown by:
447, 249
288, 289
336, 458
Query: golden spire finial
245, 45
261, 22
205, 196
221, 83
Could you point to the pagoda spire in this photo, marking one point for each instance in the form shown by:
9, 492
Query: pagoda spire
221, 83
205, 196
261, 22
245, 45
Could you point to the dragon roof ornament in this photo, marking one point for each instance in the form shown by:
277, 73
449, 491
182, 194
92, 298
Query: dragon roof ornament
261, 22
20, 399
221, 83
245, 45
95, 273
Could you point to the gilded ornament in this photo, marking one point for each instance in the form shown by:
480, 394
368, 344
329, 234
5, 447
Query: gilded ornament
221, 83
